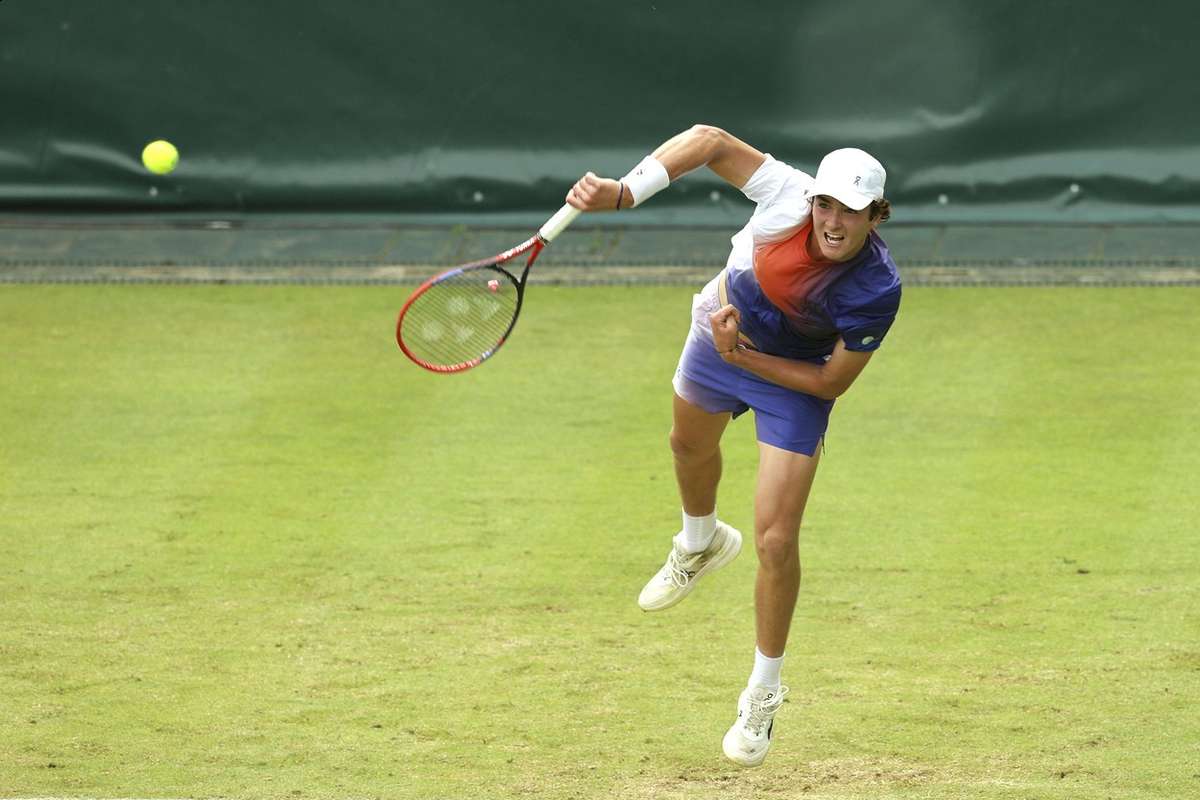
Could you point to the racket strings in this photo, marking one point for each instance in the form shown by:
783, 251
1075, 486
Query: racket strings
461, 318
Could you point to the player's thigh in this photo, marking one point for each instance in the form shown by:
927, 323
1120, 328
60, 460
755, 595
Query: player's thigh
694, 430
785, 479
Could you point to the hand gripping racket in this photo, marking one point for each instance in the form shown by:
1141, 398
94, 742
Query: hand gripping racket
459, 318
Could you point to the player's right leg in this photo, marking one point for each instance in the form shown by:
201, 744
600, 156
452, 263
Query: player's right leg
696, 449
705, 544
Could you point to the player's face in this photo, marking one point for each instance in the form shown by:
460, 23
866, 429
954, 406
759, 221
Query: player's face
839, 231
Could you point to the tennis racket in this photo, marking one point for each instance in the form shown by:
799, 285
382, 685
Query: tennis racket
459, 318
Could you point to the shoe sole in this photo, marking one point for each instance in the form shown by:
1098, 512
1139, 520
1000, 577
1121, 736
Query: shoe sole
741, 762
746, 764
728, 553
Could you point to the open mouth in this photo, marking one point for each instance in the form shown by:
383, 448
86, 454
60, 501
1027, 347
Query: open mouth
833, 240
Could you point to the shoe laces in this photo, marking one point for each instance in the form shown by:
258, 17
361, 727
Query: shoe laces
677, 566
762, 710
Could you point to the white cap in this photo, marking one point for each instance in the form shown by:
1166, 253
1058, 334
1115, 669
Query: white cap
850, 175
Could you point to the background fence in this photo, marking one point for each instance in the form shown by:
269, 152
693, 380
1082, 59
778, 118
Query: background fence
406, 117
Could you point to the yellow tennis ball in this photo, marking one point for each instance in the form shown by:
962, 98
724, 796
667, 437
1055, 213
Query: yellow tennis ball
160, 156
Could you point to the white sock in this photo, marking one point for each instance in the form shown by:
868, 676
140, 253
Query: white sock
766, 671
697, 533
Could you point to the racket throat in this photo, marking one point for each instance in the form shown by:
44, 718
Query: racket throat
535, 251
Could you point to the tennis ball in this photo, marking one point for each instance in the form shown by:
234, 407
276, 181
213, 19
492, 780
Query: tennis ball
160, 156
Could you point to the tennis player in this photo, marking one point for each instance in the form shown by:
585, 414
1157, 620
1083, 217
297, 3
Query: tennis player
807, 295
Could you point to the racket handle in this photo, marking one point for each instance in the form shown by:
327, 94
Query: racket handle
556, 224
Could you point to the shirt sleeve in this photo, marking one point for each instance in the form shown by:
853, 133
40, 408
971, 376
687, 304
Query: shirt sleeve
865, 308
781, 194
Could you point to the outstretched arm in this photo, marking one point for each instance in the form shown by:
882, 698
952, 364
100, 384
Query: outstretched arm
706, 146
699, 146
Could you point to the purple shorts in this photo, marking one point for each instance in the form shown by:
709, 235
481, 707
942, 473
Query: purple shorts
784, 418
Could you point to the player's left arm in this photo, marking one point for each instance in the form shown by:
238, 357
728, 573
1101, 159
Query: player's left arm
827, 381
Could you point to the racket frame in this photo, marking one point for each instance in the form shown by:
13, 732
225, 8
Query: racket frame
533, 246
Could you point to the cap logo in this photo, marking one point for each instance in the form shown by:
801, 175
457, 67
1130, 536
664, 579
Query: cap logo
857, 179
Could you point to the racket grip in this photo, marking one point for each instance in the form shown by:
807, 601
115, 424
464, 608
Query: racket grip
556, 224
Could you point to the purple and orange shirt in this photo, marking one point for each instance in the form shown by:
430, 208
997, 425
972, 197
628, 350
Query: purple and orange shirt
791, 304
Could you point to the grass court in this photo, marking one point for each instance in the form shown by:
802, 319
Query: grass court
248, 551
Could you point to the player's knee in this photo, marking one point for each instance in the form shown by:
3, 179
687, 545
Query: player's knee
778, 548
689, 449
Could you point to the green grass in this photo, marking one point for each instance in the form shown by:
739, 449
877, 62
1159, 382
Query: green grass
248, 551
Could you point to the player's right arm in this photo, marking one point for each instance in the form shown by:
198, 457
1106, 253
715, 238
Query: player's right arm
706, 146
698, 146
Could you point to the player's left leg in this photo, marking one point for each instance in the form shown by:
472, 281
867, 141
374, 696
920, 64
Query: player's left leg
784, 481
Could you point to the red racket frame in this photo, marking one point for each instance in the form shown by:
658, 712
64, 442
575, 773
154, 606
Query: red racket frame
533, 246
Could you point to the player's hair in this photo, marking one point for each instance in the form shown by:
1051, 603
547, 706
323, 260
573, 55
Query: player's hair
879, 208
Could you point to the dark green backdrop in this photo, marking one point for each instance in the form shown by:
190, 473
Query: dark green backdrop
439, 111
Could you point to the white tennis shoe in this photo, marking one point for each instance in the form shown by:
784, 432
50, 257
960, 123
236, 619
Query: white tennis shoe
678, 576
748, 741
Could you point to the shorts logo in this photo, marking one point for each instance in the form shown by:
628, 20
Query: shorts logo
868, 339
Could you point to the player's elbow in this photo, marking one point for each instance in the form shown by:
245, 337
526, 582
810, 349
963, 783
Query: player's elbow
838, 374
832, 388
711, 139
830, 392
